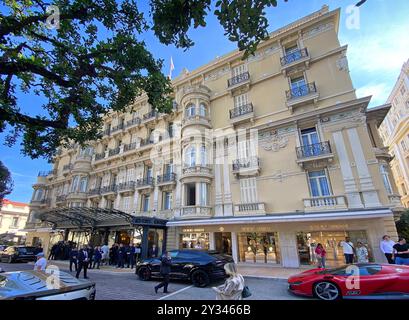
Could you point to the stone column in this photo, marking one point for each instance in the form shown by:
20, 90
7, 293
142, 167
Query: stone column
234, 247
212, 241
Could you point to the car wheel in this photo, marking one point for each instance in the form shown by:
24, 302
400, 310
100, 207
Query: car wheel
327, 291
200, 278
144, 273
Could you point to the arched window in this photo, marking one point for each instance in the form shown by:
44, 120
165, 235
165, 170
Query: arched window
190, 156
83, 184
74, 185
202, 110
190, 110
203, 155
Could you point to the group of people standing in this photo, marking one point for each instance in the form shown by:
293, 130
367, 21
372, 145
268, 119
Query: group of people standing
395, 253
122, 254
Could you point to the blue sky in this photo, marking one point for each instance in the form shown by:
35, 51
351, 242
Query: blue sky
376, 52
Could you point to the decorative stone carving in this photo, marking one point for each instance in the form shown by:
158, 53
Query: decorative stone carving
272, 140
317, 30
342, 63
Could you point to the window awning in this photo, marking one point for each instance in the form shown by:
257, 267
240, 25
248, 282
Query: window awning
81, 217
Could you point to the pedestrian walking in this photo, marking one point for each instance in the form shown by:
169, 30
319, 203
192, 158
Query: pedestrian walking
165, 269
348, 248
362, 254
321, 254
83, 261
386, 247
401, 252
41, 262
97, 257
74, 259
233, 287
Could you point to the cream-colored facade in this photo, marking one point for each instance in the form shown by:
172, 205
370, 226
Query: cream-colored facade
261, 158
394, 131
13, 218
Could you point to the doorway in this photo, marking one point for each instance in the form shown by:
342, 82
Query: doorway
223, 242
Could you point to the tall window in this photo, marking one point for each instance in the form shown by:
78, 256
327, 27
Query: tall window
190, 189
171, 129
203, 155
39, 194
126, 203
240, 100
298, 88
190, 156
167, 200
204, 194
385, 178
248, 190
319, 185
74, 185
148, 173
239, 70
190, 110
202, 110
14, 224
145, 203
83, 184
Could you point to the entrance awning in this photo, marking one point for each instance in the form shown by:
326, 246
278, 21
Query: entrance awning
83, 218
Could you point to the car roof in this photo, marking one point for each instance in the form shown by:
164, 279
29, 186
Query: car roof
34, 283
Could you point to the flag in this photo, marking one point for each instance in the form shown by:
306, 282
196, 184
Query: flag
172, 67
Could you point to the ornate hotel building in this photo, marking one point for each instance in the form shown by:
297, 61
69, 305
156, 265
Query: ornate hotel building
261, 158
394, 131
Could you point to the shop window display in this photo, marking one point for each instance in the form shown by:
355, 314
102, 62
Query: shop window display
198, 240
259, 248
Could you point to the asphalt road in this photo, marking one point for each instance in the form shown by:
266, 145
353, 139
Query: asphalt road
113, 285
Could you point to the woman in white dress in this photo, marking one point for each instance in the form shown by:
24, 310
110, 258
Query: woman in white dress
234, 285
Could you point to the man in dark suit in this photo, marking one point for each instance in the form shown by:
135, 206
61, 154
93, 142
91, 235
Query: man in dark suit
83, 261
165, 268
153, 251
73, 258
131, 256
121, 256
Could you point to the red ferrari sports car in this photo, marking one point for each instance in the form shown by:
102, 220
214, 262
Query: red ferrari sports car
356, 281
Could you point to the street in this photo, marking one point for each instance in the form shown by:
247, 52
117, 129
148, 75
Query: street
124, 285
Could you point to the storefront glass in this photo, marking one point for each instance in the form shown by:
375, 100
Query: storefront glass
197, 240
307, 242
259, 247
155, 242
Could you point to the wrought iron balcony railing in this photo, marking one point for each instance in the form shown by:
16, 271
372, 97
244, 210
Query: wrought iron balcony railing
294, 56
113, 152
129, 146
94, 191
99, 156
117, 128
129, 185
314, 150
167, 177
145, 142
61, 198
135, 121
301, 91
144, 182
149, 115
67, 167
108, 189
246, 163
242, 110
238, 79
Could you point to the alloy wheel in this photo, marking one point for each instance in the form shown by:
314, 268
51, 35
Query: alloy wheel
326, 291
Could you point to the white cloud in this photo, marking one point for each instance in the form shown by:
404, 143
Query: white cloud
378, 91
380, 52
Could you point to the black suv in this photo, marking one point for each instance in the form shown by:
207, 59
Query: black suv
18, 254
200, 267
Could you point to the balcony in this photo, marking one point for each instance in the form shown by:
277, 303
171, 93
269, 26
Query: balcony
77, 195
133, 122
117, 128
382, 153
149, 117
294, 59
130, 146
146, 142
241, 80
249, 209
301, 95
166, 179
325, 203
114, 152
128, 186
196, 212
316, 155
241, 114
94, 192
106, 132
99, 156
246, 167
67, 168
112, 189
197, 171
395, 200
196, 120
61, 198
145, 183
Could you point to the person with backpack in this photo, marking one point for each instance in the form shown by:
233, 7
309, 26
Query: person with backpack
233, 288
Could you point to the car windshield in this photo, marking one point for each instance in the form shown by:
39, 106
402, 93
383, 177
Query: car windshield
362, 270
26, 250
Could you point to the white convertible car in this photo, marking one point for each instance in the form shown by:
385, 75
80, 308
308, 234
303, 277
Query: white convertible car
39, 285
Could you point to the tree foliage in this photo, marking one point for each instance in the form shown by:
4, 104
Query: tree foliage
6, 183
402, 225
94, 61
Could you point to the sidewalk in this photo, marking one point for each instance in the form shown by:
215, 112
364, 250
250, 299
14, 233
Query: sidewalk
253, 271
